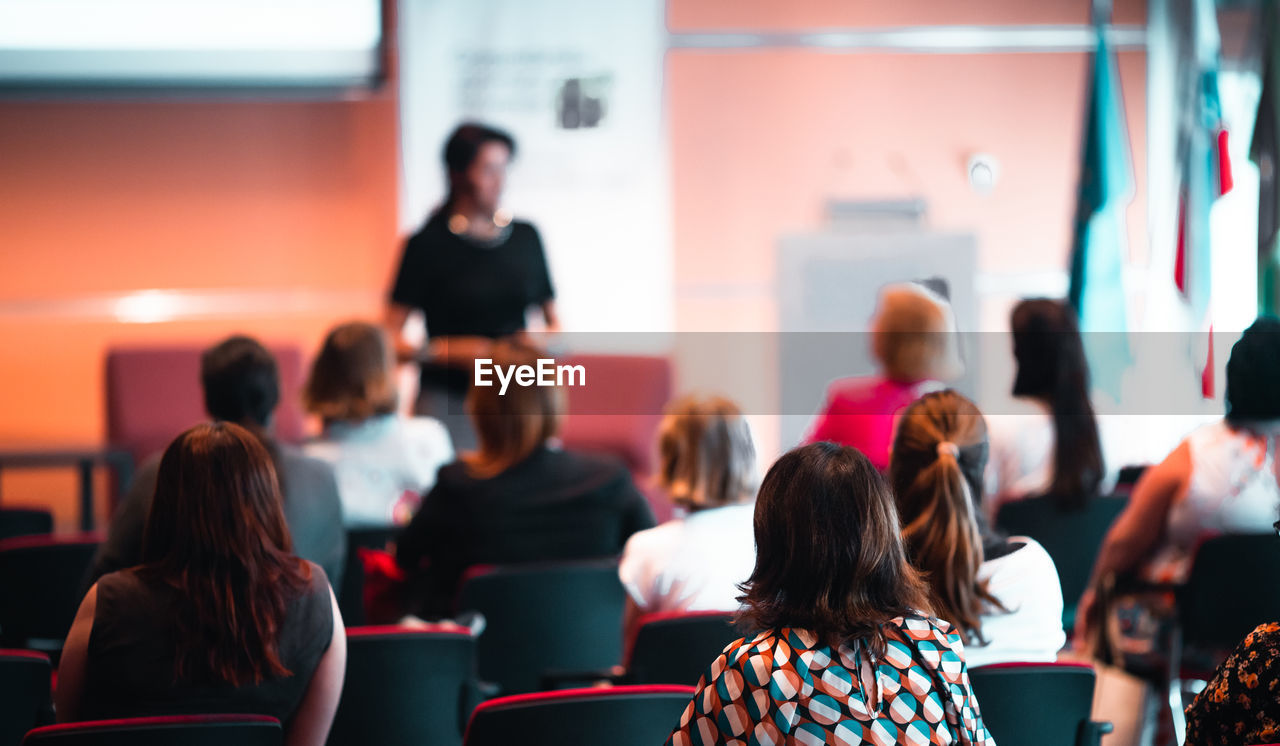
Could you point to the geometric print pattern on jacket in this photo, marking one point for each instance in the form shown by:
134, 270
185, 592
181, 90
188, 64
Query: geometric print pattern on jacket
782, 687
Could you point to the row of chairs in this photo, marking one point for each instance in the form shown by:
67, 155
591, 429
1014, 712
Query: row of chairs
417, 687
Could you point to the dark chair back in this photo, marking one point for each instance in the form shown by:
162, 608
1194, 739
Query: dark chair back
405, 686
1072, 538
1036, 704
619, 716
41, 586
24, 522
351, 595
545, 618
174, 730
1232, 588
677, 647
24, 694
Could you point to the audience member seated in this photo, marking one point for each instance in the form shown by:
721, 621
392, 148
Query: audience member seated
242, 385
383, 461
914, 339
707, 466
1000, 595
219, 616
847, 652
1049, 444
518, 497
1221, 479
1241, 705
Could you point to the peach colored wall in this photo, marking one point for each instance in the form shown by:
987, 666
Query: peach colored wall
101, 197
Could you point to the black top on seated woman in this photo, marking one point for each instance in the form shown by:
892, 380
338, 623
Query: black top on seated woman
518, 498
220, 616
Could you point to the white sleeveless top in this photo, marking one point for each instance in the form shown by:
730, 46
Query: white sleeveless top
1234, 488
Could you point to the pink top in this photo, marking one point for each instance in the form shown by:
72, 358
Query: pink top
860, 412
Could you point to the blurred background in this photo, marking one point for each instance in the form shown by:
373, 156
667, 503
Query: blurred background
175, 172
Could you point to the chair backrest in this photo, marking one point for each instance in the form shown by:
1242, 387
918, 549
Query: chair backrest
154, 393
24, 694
619, 716
173, 730
677, 647
405, 686
24, 522
41, 586
1072, 538
1037, 704
1233, 587
618, 412
545, 617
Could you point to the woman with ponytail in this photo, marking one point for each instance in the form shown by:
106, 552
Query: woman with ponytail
1002, 594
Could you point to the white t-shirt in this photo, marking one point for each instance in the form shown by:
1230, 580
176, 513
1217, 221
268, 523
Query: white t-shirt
383, 465
1026, 582
693, 563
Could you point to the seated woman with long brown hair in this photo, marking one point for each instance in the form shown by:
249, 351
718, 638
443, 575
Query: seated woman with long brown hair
847, 651
1000, 594
518, 497
220, 616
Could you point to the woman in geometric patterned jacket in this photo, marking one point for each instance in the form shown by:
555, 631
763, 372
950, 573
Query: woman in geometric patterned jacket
847, 652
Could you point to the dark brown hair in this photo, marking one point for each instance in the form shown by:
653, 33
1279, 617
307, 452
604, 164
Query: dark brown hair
936, 466
706, 457
216, 534
829, 558
353, 377
1052, 367
511, 426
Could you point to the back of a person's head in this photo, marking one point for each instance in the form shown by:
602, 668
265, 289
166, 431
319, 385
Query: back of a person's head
509, 426
1252, 393
241, 382
706, 455
353, 377
914, 335
216, 532
936, 467
1052, 367
829, 557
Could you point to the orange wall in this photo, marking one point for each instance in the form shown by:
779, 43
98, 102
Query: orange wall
100, 197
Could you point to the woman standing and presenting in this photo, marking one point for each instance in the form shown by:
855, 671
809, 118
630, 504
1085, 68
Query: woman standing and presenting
473, 271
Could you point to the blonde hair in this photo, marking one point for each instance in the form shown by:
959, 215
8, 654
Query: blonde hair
352, 378
914, 334
511, 426
706, 457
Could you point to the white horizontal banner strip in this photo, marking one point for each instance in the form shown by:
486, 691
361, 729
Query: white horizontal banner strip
173, 304
920, 39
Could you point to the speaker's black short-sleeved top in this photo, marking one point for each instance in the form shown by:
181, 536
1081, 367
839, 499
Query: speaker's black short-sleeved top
130, 667
472, 289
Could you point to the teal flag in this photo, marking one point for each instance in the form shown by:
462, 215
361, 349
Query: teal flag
1100, 244
1265, 152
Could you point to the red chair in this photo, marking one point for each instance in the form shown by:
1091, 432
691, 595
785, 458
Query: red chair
24, 694
676, 647
171, 730
42, 581
405, 686
618, 412
619, 716
154, 393
544, 619
1046, 704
